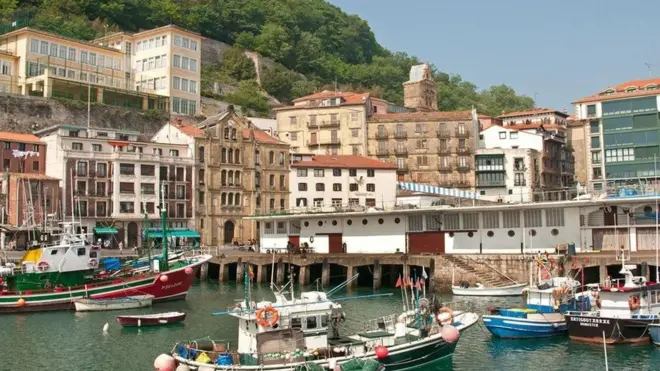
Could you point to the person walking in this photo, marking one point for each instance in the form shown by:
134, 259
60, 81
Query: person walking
121, 247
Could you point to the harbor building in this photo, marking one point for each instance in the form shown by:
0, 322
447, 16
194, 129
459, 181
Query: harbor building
240, 171
111, 180
622, 126
592, 225
327, 182
328, 122
157, 69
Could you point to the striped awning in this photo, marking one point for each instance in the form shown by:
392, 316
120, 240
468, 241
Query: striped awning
425, 188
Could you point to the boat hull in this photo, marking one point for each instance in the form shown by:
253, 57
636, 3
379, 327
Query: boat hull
513, 290
139, 321
102, 305
523, 328
654, 331
589, 328
176, 286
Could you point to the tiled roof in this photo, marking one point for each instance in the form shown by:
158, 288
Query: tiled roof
423, 116
344, 162
619, 91
535, 111
189, 129
29, 29
349, 97
19, 138
261, 136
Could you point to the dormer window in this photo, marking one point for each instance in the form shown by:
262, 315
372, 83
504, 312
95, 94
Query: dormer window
651, 87
608, 92
631, 89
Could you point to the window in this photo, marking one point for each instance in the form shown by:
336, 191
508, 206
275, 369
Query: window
554, 217
595, 157
7, 145
371, 187
597, 173
352, 172
77, 146
174, 153
302, 187
34, 46
127, 169
35, 165
271, 180
147, 188
353, 187
513, 135
619, 155
336, 187
591, 110
371, 173
127, 207
595, 142
311, 323
176, 83
502, 134
293, 136
336, 172
318, 173
320, 186
355, 133
96, 148
302, 172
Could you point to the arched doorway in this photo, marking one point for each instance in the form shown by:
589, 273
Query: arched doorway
132, 235
229, 231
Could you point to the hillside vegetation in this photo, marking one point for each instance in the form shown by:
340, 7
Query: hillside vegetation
310, 37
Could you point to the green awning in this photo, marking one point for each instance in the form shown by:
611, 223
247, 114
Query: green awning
174, 233
105, 230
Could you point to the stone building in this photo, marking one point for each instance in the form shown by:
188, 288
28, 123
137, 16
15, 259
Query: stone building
427, 147
576, 137
420, 91
240, 171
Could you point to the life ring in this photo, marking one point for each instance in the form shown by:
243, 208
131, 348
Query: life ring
93, 263
633, 302
262, 319
445, 321
43, 266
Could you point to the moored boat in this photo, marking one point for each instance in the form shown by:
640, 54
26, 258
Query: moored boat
304, 333
625, 312
480, 290
100, 305
153, 319
654, 331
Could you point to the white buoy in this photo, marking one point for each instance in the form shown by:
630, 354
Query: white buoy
105, 327
332, 363
182, 367
139, 322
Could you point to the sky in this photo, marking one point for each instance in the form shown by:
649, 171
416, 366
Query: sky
557, 51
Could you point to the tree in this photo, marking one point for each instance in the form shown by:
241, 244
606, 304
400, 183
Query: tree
237, 65
249, 96
279, 82
502, 98
7, 8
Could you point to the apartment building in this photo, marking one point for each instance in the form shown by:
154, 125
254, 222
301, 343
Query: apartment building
426, 147
577, 137
241, 171
341, 182
154, 69
623, 138
165, 61
113, 180
326, 123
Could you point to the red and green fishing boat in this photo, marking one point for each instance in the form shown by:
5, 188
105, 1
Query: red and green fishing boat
52, 277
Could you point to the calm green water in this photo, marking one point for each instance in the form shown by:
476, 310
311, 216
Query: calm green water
75, 341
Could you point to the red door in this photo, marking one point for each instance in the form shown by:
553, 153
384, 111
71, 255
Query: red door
334, 243
426, 243
294, 240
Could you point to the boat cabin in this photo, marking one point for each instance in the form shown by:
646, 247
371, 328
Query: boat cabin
629, 297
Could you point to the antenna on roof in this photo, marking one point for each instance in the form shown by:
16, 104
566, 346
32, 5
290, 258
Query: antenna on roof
648, 66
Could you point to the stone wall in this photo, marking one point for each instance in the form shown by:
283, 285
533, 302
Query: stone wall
510, 265
25, 114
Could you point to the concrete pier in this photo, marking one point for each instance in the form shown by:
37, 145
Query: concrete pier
280, 272
260, 273
378, 275
204, 272
239, 271
325, 273
303, 276
350, 272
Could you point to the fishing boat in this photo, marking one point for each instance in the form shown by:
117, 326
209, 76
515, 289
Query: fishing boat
480, 290
101, 305
303, 333
626, 309
52, 277
154, 319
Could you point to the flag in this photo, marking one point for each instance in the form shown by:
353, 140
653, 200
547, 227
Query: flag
418, 285
398, 282
251, 272
424, 274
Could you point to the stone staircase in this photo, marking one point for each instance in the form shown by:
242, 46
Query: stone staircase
473, 272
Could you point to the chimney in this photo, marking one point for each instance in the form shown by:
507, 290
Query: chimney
230, 108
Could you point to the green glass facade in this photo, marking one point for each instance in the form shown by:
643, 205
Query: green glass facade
630, 138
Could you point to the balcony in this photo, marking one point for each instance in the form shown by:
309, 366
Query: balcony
446, 167
402, 169
444, 151
463, 184
323, 124
463, 150
463, 168
461, 133
326, 142
382, 135
401, 151
519, 168
520, 184
400, 135
446, 183
490, 184
383, 153
443, 134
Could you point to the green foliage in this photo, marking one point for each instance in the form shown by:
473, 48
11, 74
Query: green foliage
249, 96
7, 7
284, 84
237, 65
312, 37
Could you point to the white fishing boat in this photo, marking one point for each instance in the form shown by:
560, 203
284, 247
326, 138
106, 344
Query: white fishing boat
481, 290
99, 305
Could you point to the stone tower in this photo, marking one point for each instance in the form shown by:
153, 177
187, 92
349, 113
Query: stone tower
420, 91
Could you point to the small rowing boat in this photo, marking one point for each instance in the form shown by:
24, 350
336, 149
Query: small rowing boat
155, 319
480, 290
128, 302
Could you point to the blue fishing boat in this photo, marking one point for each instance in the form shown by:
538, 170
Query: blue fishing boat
654, 330
543, 314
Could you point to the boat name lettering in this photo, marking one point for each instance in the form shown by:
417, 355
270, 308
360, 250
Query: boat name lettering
592, 322
167, 287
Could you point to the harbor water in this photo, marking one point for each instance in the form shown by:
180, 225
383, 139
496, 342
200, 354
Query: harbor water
63, 341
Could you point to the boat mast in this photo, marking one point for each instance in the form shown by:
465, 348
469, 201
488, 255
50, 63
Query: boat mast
146, 228
163, 218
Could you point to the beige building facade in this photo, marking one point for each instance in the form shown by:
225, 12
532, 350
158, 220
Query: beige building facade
576, 137
240, 171
326, 123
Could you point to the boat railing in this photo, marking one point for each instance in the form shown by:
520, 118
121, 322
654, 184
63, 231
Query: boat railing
381, 323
